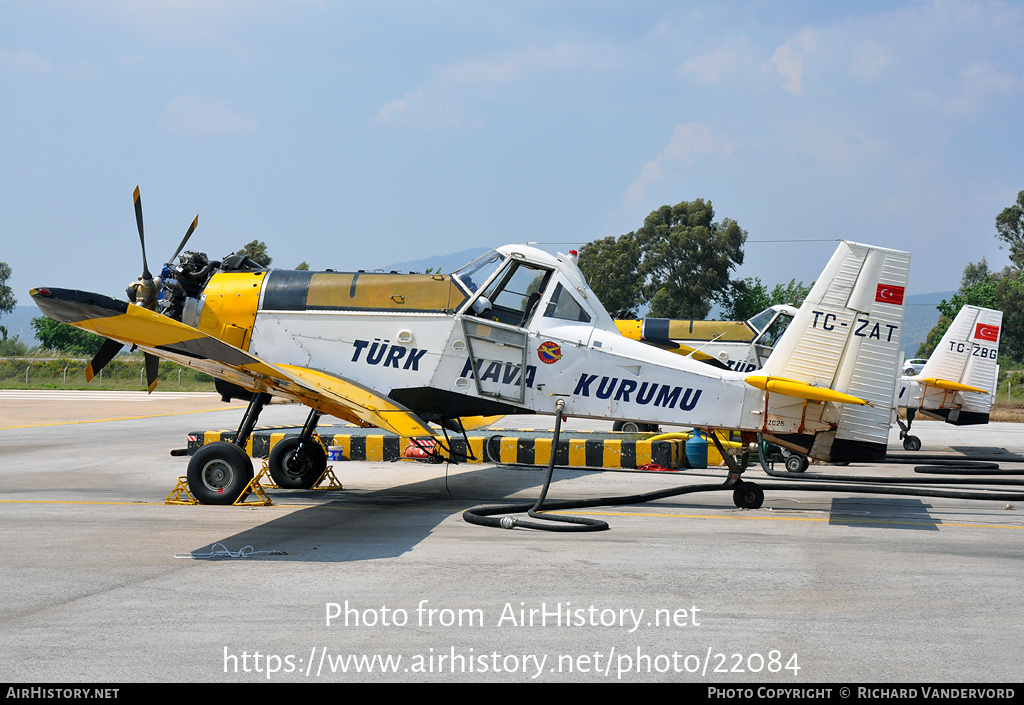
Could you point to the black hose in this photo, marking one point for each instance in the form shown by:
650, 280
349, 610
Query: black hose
483, 516
964, 470
869, 484
809, 482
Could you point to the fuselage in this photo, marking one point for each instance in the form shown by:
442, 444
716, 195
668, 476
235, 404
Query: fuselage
510, 333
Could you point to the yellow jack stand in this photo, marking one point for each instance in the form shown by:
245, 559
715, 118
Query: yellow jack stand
175, 497
328, 481
181, 495
254, 488
270, 485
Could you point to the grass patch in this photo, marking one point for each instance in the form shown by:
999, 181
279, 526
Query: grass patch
125, 372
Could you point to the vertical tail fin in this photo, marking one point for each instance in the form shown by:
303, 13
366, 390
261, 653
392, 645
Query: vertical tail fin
846, 338
958, 382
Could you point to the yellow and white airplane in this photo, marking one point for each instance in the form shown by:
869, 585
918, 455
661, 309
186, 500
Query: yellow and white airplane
512, 332
743, 346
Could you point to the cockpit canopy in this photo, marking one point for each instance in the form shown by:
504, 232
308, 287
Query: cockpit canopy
512, 284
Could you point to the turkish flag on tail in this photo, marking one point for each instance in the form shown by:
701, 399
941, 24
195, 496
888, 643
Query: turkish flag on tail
889, 294
984, 331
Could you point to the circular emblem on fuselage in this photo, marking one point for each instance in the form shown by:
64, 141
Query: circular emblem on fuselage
549, 352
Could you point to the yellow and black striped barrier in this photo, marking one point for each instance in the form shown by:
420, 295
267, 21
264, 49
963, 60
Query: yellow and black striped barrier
584, 450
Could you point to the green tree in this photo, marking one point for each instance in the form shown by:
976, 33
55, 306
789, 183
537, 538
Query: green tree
1009, 296
257, 252
1010, 229
7, 300
610, 265
62, 337
302, 266
679, 262
749, 297
977, 288
792, 293
12, 347
687, 258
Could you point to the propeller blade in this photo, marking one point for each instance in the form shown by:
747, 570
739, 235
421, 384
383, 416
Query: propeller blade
142, 237
104, 355
191, 229
152, 369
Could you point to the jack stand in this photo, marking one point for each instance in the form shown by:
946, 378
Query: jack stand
175, 497
263, 471
256, 489
332, 482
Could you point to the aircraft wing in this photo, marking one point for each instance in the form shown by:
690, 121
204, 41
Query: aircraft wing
169, 339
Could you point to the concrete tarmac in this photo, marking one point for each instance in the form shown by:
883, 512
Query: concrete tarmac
384, 581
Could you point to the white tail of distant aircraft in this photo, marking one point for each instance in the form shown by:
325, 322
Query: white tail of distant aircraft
958, 383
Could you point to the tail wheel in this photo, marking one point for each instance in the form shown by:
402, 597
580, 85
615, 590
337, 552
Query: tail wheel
294, 469
218, 473
912, 443
747, 495
797, 463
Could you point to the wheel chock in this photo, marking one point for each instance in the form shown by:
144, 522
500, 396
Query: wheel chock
176, 495
254, 489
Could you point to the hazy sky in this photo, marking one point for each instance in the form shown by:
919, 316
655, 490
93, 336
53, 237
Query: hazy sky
354, 135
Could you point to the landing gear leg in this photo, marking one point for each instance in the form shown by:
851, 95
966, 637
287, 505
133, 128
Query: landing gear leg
219, 472
909, 442
745, 495
297, 463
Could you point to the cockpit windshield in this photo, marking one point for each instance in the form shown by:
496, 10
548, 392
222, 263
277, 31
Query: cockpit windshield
761, 320
774, 332
477, 272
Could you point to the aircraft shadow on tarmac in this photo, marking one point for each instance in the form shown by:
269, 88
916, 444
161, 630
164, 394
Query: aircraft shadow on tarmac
364, 525
383, 523
882, 513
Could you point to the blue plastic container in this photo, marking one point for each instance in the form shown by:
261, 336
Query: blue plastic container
697, 452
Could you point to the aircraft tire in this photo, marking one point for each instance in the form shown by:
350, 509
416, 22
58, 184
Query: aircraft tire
634, 427
307, 468
797, 463
912, 443
748, 495
218, 473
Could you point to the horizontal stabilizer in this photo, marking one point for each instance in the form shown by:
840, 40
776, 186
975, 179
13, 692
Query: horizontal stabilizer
951, 386
801, 390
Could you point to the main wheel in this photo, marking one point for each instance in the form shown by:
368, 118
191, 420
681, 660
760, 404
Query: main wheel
797, 463
912, 443
218, 473
297, 471
634, 427
747, 495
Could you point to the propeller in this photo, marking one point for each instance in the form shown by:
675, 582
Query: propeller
144, 293
191, 229
103, 356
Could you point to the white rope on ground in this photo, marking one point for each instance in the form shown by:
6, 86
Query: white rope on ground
244, 552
